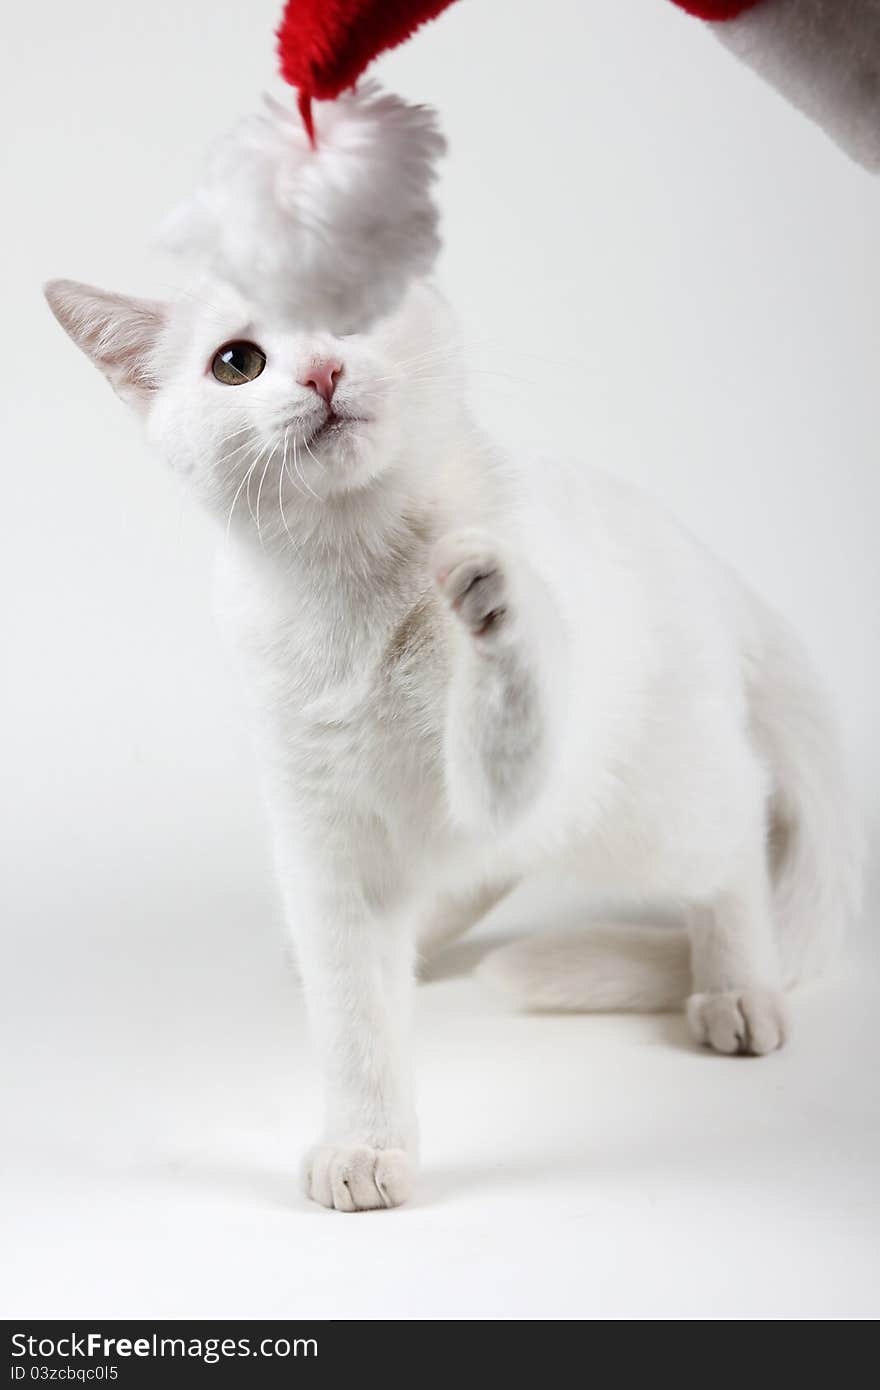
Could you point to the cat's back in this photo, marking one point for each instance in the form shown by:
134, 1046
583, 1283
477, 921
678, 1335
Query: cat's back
639, 592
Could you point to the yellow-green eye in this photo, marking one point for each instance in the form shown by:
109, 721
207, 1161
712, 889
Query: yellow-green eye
237, 363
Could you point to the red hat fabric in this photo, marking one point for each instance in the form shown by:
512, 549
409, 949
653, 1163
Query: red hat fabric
715, 9
325, 45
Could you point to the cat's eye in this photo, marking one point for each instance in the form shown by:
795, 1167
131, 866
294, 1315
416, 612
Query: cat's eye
237, 363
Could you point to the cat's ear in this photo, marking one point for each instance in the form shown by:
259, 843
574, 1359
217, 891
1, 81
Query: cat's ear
117, 332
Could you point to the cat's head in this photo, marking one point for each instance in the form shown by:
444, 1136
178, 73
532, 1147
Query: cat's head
253, 411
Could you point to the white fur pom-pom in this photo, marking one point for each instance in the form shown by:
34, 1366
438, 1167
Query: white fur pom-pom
330, 236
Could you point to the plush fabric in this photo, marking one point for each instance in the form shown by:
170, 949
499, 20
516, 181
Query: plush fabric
715, 9
325, 45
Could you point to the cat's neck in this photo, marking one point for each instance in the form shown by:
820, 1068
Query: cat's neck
361, 538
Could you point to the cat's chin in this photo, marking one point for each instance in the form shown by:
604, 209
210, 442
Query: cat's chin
347, 453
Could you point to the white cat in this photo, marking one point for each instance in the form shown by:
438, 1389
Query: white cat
466, 668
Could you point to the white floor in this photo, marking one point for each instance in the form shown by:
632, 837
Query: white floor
573, 1167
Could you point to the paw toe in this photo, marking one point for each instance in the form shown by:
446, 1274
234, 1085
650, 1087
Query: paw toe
468, 573
358, 1178
481, 601
752, 1023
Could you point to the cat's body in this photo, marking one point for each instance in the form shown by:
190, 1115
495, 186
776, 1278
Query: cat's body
465, 668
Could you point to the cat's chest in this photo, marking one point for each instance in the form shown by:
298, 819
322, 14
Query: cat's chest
356, 691
348, 673
375, 692
370, 748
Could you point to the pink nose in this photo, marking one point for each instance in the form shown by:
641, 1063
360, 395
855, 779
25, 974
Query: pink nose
322, 375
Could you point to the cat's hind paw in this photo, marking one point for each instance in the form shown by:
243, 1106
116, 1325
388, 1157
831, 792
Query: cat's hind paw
753, 1022
357, 1178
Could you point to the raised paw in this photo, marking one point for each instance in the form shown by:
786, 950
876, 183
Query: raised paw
467, 570
357, 1178
752, 1022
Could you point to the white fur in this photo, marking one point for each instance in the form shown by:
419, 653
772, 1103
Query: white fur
824, 56
329, 236
466, 667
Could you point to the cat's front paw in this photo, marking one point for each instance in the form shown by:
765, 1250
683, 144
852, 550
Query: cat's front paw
357, 1178
753, 1021
468, 572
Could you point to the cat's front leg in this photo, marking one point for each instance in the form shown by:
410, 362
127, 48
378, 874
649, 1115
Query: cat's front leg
505, 664
356, 957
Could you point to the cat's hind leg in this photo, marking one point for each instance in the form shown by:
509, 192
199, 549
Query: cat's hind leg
722, 966
736, 1005
455, 913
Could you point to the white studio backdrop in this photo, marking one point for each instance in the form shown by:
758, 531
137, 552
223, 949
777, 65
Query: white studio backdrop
660, 267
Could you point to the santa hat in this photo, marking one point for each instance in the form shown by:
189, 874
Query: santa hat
823, 55
329, 219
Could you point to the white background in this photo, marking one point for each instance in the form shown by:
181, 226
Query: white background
661, 266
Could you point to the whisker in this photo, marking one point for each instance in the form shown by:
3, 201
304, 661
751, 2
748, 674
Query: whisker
286, 466
241, 448
441, 350
299, 472
281, 473
244, 480
245, 429
183, 293
260, 488
251, 471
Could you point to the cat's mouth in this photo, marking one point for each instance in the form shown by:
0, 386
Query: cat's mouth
332, 426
